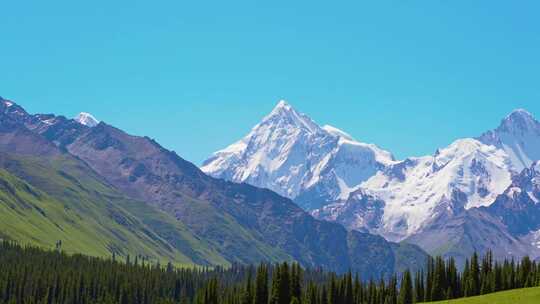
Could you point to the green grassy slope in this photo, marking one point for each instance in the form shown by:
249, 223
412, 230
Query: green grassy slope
43, 201
231, 239
517, 296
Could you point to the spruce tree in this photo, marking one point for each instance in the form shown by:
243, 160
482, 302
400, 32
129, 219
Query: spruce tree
247, 297
419, 287
429, 279
296, 281
438, 281
406, 290
474, 276
261, 285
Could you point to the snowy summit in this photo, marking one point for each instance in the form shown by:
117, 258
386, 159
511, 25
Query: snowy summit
86, 119
326, 171
289, 153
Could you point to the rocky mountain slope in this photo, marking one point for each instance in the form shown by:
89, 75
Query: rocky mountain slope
232, 222
49, 195
518, 208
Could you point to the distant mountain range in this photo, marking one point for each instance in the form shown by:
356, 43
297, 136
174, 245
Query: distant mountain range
448, 203
89, 187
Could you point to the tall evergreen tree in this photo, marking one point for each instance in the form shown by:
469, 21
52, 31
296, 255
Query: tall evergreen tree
281, 291
261, 285
419, 287
247, 297
296, 281
438, 280
474, 276
406, 290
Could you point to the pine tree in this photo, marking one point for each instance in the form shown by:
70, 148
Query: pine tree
391, 290
247, 297
333, 291
285, 285
296, 281
324, 296
419, 287
438, 281
474, 277
430, 268
452, 280
348, 297
261, 285
406, 290
311, 296
281, 292
466, 280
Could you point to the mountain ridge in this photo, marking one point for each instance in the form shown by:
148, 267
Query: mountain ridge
400, 200
238, 222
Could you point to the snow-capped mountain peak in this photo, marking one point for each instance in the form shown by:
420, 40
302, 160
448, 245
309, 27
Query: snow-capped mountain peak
519, 136
519, 120
284, 115
291, 154
86, 119
283, 104
420, 199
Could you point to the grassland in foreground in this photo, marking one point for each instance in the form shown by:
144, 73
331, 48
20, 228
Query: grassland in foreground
516, 296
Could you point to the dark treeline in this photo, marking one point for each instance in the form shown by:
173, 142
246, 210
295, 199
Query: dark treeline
32, 275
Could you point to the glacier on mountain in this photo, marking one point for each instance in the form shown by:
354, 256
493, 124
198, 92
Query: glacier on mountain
419, 199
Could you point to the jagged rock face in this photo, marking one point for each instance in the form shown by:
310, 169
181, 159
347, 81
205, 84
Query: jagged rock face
19, 140
360, 211
290, 154
518, 207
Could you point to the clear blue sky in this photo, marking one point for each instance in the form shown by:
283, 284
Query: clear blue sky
409, 76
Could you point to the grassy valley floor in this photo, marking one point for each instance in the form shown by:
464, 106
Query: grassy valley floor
516, 296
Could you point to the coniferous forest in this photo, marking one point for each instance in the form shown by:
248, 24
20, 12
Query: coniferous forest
33, 275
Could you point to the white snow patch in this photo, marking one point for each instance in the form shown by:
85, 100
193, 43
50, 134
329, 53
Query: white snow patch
337, 132
86, 119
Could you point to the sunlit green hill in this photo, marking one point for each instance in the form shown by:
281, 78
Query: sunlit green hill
60, 202
516, 296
